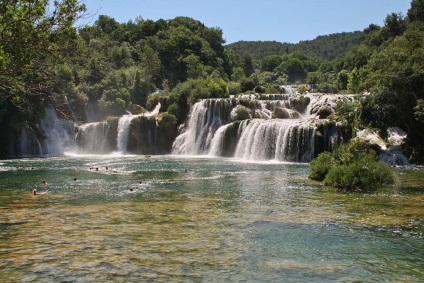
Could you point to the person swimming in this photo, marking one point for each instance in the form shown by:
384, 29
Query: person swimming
34, 192
45, 183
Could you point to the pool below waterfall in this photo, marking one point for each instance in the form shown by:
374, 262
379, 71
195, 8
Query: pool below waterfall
115, 218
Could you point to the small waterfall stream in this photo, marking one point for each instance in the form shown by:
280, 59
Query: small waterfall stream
123, 132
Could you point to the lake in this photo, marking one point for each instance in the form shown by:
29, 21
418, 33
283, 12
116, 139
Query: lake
202, 220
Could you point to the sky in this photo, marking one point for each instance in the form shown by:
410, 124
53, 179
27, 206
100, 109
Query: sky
253, 20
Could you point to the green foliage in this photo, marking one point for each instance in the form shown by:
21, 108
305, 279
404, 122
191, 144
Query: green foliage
35, 39
270, 63
301, 103
354, 81
419, 111
326, 47
324, 112
280, 113
416, 11
302, 89
321, 165
353, 167
187, 93
272, 89
242, 113
349, 113
234, 88
260, 89
365, 174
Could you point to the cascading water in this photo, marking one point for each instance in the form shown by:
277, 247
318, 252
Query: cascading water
124, 128
53, 137
284, 140
123, 132
206, 118
94, 138
213, 129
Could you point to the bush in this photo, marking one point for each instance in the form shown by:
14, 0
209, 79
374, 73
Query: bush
321, 165
324, 112
260, 89
353, 167
242, 113
272, 89
280, 113
363, 174
234, 88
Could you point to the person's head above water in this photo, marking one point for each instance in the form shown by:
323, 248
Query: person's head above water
34, 191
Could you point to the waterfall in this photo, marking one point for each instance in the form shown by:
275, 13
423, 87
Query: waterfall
154, 112
124, 128
205, 119
59, 133
123, 132
212, 129
94, 138
29, 144
283, 140
51, 137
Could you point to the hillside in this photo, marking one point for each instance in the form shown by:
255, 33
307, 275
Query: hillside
325, 47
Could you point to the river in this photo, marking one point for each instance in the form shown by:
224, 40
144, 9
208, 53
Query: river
202, 220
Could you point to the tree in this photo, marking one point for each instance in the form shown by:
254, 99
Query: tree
35, 37
247, 64
354, 81
416, 11
270, 63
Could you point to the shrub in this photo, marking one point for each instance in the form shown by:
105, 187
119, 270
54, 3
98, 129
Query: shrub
260, 89
272, 89
234, 88
280, 113
352, 167
301, 103
242, 113
321, 165
324, 112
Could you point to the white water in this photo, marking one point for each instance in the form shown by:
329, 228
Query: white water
391, 151
260, 138
123, 132
124, 128
58, 137
283, 140
204, 121
94, 138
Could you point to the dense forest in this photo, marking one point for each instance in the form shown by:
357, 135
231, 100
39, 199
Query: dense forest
324, 47
90, 73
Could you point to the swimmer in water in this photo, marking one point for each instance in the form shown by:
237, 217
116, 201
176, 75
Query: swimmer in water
44, 183
34, 192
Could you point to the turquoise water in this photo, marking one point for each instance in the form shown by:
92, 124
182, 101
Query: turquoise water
221, 221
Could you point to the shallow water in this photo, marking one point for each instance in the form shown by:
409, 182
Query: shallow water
220, 221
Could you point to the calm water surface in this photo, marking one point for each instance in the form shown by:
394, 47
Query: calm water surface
221, 221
